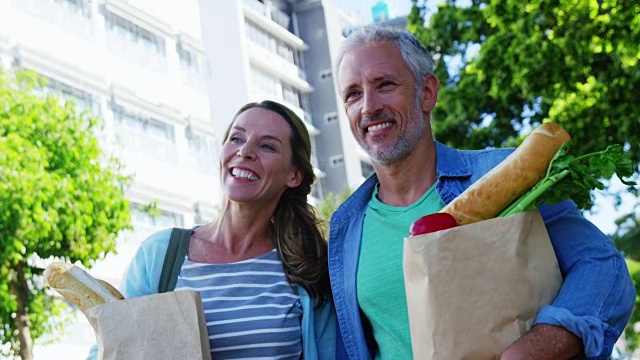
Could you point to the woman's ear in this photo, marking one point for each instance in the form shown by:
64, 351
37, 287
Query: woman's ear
296, 179
430, 87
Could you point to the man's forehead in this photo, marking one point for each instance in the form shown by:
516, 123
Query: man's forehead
370, 60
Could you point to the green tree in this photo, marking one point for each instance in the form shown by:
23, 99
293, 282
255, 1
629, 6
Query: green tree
627, 236
507, 65
328, 206
632, 337
61, 197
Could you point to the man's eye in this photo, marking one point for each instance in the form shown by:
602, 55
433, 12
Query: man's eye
350, 95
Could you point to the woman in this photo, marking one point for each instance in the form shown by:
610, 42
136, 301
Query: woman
261, 268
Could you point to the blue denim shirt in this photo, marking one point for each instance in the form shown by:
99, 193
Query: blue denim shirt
596, 298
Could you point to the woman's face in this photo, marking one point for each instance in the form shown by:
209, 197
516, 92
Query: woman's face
256, 158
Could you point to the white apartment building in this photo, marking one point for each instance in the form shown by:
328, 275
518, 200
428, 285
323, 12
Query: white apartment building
167, 76
282, 50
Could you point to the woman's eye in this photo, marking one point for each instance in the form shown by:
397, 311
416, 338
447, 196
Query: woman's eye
234, 139
268, 147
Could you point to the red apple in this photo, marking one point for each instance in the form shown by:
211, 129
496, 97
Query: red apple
431, 223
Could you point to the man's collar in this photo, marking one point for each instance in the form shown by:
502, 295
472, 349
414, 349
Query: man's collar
449, 162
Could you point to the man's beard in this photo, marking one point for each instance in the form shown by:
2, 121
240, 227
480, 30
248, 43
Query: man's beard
406, 142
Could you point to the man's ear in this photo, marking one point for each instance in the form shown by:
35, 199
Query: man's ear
296, 179
430, 87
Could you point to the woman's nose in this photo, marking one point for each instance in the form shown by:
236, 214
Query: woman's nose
245, 152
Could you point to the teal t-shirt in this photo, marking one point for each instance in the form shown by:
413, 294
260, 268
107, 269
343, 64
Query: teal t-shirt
380, 280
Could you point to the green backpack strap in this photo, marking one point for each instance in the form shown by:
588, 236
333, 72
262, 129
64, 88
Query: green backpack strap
177, 250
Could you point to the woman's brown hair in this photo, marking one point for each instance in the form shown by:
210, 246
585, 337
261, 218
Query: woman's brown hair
297, 236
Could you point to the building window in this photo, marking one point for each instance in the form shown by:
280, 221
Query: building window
201, 151
291, 95
280, 17
269, 42
191, 67
163, 219
134, 33
147, 126
189, 60
264, 82
145, 134
82, 7
336, 161
82, 100
73, 16
325, 75
331, 118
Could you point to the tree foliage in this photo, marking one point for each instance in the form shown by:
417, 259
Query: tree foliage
627, 236
328, 206
521, 63
632, 337
627, 240
61, 197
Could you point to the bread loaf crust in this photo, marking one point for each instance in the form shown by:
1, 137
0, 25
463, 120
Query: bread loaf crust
78, 287
515, 175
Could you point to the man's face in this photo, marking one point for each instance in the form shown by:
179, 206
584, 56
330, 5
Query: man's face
384, 109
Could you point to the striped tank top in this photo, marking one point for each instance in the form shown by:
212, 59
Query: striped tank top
252, 311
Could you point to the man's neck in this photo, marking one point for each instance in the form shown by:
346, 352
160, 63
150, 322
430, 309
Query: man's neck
404, 182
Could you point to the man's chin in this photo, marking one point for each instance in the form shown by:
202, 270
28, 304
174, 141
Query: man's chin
384, 157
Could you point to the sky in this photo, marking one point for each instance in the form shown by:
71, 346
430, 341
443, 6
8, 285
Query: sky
362, 8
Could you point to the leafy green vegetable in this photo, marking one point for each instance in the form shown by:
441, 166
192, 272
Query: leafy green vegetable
573, 177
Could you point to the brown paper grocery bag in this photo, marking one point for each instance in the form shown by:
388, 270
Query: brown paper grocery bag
161, 326
475, 289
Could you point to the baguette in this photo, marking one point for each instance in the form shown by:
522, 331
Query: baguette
514, 176
78, 287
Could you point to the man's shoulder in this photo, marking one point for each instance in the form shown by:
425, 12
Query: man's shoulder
488, 154
357, 201
474, 161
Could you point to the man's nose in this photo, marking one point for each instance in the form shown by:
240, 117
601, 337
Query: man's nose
371, 103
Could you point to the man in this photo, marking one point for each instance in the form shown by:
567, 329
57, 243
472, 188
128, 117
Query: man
385, 78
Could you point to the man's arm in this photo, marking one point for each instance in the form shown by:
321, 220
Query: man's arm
544, 342
597, 295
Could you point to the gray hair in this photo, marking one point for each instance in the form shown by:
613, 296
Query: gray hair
413, 53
